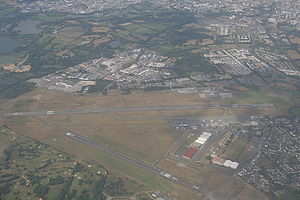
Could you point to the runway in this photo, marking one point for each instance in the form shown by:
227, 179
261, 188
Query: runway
137, 108
138, 163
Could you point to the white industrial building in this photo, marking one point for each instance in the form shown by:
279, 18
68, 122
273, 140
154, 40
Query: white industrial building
202, 139
231, 164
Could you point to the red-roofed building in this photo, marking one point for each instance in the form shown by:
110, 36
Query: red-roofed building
190, 152
218, 160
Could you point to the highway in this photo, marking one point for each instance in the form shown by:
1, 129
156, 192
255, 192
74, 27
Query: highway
137, 108
133, 161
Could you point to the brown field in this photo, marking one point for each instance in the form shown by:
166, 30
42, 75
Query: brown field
141, 115
143, 135
207, 112
294, 39
51, 134
131, 135
90, 37
207, 42
286, 85
191, 42
187, 173
237, 189
73, 22
62, 53
4, 143
240, 111
273, 111
51, 100
101, 40
294, 54
214, 177
100, 29
9, 2
147, 139
240, 88
228, 46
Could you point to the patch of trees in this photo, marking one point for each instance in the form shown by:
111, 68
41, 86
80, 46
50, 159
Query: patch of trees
71, 195
41, 190
78, 168
62, 194
5, 189
116, 188
98, 188
84, 195
194, 63
57, 180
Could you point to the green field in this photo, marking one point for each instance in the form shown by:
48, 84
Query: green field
238, 151
30, 169
4, 10
4, 59
263, 161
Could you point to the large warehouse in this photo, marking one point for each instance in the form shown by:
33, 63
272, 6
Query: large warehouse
202, 139
190, 152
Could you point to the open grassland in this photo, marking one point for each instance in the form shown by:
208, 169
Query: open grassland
141, 115
279, 96
50, 17
235, 188
238, 150
263, 161
52, 100
296, 112
5, 10
5, 141
214, 177
50, 134
138, 29
146, 140
187, 173
115, 166
294, 54
55, 137
144, 135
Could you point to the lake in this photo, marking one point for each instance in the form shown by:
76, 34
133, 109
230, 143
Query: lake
28, 27
8, 45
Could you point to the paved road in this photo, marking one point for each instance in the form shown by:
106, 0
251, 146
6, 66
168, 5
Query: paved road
137, 108
133, 161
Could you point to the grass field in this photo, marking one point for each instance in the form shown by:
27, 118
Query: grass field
214, 177
263, 161
6, 10
296, 112
32, 170
144, 135
49, 18
4, 59
235, 188
51, 100
294, 54
146, 140
138, 29
276, 95
238, 150
55, 137
135, 137
187, 173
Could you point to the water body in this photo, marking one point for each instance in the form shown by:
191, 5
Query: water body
7, 45
28, 27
